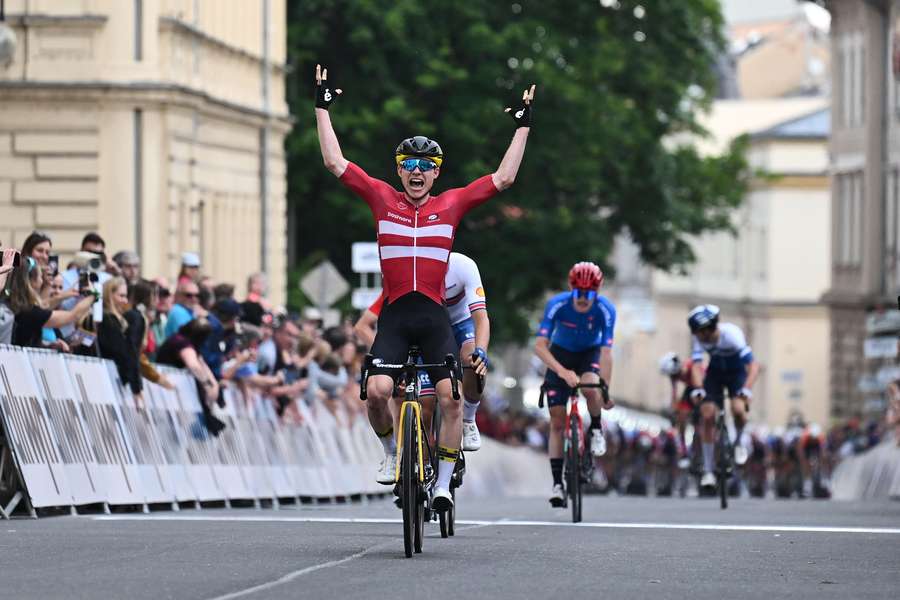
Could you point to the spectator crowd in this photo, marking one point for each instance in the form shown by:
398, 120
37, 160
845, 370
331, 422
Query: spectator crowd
107, 307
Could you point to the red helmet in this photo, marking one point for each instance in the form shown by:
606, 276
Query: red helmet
586, 275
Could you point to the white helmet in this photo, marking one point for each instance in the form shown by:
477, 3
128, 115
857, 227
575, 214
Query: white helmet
670, 364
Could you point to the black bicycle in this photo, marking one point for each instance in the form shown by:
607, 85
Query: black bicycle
413, 482
577, 465
724, 459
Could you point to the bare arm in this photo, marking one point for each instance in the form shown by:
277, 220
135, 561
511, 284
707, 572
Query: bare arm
365, 328
61, 318
482, 329
606, 365
509, 166
542, 349
752, 374
328, 143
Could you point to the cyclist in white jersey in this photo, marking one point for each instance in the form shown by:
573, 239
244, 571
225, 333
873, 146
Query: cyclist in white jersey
466, 303
731, 367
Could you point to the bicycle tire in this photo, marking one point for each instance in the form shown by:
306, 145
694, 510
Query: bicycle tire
409, 483
722, 464
574, 470
445, 520
451, 520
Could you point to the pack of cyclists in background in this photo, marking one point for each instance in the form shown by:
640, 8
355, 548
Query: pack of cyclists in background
574, 341
415, 236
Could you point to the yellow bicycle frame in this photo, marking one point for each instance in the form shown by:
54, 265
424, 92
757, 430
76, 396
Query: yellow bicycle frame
417, 408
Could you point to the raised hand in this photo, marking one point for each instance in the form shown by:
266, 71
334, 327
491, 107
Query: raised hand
522, 115
325, 95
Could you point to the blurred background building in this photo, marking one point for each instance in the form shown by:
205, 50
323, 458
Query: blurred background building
157, 123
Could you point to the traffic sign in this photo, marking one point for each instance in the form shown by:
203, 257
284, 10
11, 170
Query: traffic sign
365, 257
364, 297
324, 284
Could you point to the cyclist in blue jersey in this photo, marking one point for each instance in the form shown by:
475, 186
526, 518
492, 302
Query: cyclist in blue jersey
575, 342
731, 367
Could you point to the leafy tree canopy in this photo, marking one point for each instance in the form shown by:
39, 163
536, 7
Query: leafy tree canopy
618, 80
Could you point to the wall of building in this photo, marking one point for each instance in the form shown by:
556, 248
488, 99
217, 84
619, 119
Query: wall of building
146, 125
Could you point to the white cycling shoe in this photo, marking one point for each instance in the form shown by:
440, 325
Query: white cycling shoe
598, 443
441, 500
558, 496
387, 472
708, 480
740, 455
471, 437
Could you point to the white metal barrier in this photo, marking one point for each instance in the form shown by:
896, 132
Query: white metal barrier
72, 435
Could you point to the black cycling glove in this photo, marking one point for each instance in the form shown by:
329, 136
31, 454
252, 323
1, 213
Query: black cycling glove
325, 94
522, 114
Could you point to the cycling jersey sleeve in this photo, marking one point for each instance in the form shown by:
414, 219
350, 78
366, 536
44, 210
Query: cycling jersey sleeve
475, 296
609, 323
475, 194
549, 321
368, 188
747, 355
696, 350
376, 306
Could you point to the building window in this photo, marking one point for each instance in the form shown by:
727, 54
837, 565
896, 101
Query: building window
850, 205
851, 62
892, 229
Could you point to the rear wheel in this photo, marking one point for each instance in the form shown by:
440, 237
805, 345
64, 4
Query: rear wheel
574, 469
451, 521
722, 467
409, 484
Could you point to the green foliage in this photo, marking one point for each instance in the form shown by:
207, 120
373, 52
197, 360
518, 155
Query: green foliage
612, 86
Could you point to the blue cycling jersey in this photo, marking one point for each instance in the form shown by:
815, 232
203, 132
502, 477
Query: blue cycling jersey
729, 353
575, 331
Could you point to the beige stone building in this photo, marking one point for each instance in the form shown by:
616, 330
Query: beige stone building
865, 169
158, 123
767, 279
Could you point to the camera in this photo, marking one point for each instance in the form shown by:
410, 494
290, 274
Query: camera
88, 262
53, 263
86, 281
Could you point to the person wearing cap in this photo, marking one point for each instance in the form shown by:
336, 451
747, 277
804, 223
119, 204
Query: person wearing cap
190, 267
129, 264
223, 320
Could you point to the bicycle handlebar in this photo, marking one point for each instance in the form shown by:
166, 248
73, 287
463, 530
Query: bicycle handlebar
601, 385
409, 366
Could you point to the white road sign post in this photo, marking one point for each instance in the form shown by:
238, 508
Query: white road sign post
366, 262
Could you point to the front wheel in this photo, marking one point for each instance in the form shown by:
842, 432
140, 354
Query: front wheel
573, 458
409, 483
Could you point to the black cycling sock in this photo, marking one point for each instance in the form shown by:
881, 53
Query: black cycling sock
596, 422
556, 467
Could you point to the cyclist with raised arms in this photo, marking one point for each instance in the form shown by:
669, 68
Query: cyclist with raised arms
415, 236
467, 305
575, 341
731, 367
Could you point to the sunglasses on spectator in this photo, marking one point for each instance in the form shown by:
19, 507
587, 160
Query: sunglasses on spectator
189, 295
423, 164
583, 294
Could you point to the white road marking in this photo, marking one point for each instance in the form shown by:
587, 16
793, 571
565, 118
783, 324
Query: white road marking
299, 573
508, 523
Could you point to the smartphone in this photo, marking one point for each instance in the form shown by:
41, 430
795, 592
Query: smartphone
53, 263
17, 260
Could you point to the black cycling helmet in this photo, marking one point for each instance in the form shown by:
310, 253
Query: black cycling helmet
419, 146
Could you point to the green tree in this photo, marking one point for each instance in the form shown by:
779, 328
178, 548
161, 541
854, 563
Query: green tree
616, 85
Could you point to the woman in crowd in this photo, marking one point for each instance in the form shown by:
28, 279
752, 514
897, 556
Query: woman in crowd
32, 313
112, 335
182, 350
38, 246
142, 300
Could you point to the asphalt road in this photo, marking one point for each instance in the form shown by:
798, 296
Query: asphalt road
504, 548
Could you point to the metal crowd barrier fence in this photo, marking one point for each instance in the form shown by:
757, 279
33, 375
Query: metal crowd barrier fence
72, 435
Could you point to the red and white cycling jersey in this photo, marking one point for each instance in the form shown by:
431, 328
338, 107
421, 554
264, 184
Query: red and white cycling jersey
414, 242
463, 290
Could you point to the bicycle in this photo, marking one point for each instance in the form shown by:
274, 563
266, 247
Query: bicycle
574, 449
410, 478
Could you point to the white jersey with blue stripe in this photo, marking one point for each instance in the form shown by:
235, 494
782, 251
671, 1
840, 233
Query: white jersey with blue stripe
729, 353
463, 290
